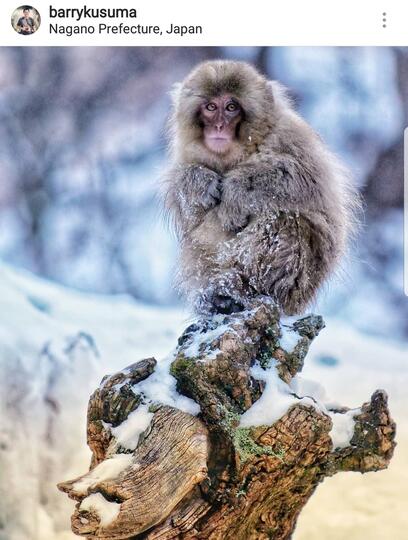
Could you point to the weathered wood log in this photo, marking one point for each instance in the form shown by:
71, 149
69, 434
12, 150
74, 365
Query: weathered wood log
216, 475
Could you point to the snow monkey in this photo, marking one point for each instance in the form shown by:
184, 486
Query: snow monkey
260, 205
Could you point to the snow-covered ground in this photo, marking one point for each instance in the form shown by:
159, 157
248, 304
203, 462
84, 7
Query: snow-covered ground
55, 346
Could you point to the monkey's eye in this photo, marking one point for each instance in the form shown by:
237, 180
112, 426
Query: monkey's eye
231, 107
211, 107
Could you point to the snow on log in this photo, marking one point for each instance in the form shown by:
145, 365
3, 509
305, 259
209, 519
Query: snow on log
223, 439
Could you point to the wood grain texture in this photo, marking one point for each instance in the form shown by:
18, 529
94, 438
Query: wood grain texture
206, 477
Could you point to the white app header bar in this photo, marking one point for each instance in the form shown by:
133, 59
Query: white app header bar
210, 23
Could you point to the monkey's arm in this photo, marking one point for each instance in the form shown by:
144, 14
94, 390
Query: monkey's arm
270, 185
189, 192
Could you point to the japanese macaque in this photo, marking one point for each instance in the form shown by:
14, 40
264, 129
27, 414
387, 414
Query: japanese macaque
260, 205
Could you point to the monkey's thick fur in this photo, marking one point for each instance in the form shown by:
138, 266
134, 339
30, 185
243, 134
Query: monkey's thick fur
270, 218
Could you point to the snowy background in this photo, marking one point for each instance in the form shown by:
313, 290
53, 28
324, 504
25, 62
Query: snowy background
81, 149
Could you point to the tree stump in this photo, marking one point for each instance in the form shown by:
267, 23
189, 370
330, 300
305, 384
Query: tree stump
220, 474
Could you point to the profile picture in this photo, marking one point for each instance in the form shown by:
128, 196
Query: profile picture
25, 20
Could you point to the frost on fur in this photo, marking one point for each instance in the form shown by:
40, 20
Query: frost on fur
269, 214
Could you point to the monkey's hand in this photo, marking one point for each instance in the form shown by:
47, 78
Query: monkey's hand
190, 191
204, 186
234, 210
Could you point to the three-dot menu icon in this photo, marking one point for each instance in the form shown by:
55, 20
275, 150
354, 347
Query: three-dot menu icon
384, 19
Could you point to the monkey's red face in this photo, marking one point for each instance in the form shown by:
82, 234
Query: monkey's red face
220, 117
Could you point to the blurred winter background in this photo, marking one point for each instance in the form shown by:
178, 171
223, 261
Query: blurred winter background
81, 149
